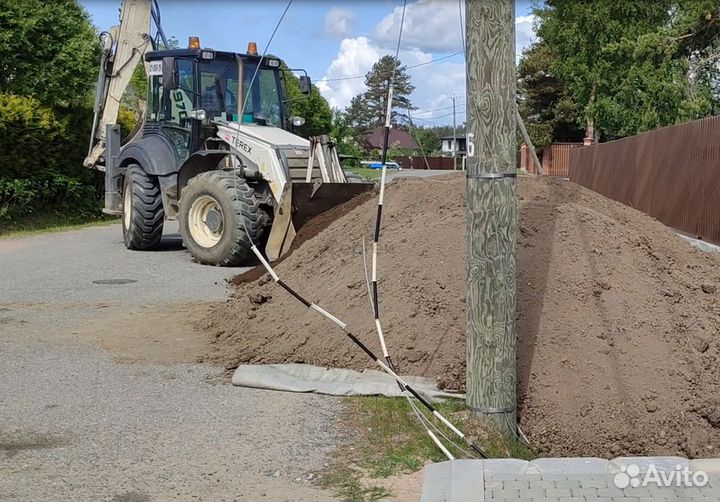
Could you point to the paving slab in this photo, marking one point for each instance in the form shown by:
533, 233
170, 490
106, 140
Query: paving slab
625, 479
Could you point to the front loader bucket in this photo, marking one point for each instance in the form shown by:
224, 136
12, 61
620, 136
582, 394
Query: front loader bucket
310, 199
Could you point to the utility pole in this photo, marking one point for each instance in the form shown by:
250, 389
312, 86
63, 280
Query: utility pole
529, 143
454, 148
491, 212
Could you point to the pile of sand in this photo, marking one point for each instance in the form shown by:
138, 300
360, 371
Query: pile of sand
618, 318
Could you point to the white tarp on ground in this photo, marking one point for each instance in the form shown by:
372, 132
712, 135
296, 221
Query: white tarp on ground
332, 381
704, 246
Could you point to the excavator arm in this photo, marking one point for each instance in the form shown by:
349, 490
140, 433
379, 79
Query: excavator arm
124, 47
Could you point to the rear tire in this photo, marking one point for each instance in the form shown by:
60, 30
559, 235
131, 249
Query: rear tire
143, 213
221, 216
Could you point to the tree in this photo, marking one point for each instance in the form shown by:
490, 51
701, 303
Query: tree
428, 140
547, 107
367, 110
626, 66
48, 50
316, 112
358, 116
313, 107
343, 133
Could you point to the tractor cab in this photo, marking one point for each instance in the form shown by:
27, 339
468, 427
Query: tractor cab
191, 90
216, 150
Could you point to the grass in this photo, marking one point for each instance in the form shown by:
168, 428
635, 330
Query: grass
347, 484
367, 173
391, 441
40, 224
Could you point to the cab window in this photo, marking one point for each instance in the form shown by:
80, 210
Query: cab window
180, 100
264, 97
218, 87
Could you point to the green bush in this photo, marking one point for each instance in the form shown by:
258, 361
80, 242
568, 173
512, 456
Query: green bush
41, 154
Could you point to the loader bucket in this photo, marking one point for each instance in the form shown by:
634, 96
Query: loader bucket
310, 200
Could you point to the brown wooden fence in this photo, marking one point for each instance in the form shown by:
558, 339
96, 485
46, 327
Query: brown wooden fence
555, 159
418, 162
671, 173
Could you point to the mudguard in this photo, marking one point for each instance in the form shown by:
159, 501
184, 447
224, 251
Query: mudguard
154, 153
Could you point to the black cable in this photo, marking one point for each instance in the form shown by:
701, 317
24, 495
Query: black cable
356, 77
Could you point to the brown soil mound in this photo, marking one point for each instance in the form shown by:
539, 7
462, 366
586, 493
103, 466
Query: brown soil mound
618, 318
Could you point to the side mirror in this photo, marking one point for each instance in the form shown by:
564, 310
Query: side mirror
305, 84
169, 74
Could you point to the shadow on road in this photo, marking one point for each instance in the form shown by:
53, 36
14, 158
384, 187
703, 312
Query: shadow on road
171, 242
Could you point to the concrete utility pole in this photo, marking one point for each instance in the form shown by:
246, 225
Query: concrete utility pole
454, 148
491, 212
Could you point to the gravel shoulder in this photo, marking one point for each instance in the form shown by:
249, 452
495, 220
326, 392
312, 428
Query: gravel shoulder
101, 396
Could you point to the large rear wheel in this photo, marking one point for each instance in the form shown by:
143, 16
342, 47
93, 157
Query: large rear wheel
221, 216
143, 214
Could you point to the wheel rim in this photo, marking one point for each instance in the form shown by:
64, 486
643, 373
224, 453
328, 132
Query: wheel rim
127, 207
205, 221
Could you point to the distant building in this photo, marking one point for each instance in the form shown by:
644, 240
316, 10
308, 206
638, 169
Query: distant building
397, 139
460, 146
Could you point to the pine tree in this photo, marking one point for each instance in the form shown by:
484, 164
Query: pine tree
367, 110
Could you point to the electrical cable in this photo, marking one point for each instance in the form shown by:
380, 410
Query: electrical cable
411, 67
381, 196
262, 57
430, 119
245, 101
428, 423
438, 109
420, 416
384, 366
462, 26
387, 366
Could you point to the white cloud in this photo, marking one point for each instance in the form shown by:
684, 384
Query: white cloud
432, 30
430, 25
436, 84
524, 33
339, 22
356, 57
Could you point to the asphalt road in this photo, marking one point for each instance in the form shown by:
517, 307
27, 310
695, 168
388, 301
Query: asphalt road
100, 396
66, 266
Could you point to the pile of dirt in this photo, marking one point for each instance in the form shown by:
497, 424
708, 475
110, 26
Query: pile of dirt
618, 319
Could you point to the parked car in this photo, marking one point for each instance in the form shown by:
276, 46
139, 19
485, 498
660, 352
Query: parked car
378, 165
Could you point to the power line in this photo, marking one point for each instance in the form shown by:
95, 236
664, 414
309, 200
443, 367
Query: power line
437, 109
430, 119
462, 25
407, 68
435, 102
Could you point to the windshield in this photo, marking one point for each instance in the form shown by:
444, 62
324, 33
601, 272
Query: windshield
219, 89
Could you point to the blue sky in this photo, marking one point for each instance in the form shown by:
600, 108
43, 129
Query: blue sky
335, 40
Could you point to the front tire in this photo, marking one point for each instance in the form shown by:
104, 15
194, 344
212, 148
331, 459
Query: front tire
221, 216
143, 213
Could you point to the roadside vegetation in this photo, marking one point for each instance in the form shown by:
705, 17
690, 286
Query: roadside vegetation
642, 66
48, 54
388, 440
366, 173
52, 222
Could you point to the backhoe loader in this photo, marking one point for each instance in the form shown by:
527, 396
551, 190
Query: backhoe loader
216, 149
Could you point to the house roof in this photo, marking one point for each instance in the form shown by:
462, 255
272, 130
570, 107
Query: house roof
397, 138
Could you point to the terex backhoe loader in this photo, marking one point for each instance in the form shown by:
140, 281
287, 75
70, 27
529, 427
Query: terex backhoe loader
216, 148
